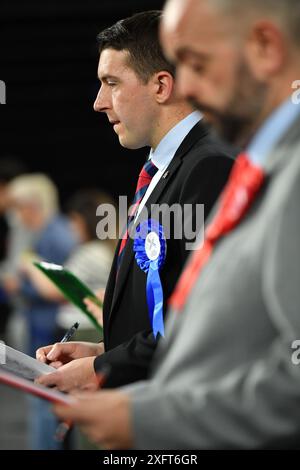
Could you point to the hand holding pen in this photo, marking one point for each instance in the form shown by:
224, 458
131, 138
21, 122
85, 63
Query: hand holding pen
67, 337
51, 354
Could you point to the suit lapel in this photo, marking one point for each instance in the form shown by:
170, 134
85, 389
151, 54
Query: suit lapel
197, 133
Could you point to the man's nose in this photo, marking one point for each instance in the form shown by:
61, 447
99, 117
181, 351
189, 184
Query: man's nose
101, 103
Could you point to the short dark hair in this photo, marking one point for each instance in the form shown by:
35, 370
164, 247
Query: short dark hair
139, 35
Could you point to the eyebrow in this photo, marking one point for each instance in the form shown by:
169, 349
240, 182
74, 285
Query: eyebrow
105, 78
183, 52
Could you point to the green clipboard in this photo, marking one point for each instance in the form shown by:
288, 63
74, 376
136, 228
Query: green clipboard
71, 287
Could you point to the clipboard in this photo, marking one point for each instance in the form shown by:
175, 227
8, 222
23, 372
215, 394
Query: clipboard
71, 287
27, 386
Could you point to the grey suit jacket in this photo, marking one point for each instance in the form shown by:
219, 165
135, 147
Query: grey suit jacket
224, 376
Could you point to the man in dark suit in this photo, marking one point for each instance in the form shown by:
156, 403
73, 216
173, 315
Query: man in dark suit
191, 167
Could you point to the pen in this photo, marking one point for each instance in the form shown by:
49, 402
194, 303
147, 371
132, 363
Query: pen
64, 427
70, 333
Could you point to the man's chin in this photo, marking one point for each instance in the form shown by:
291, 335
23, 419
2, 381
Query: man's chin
123, 141
127, 144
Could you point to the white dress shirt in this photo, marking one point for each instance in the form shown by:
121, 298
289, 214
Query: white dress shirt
166, 150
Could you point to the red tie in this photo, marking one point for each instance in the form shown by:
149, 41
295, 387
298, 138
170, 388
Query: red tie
243, 185
145, 177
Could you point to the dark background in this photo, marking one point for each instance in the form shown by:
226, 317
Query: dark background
48, 60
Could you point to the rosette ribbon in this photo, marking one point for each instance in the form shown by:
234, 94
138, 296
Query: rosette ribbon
150, 249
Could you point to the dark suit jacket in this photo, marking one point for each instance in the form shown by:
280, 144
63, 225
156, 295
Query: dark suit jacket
196, 175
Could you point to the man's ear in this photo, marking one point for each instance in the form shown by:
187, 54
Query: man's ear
164, 86
266, 49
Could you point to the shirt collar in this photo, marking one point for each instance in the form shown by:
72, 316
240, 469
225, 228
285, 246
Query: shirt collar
168, 146
272, 131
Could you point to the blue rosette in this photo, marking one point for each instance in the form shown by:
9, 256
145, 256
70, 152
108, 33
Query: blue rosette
150, 249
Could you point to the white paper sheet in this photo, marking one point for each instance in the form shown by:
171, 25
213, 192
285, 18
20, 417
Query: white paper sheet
22, 365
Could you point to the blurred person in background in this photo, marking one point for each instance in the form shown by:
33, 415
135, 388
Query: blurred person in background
90, 261
34, 198
14, 239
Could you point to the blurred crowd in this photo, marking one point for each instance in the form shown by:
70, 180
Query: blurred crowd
33, 312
